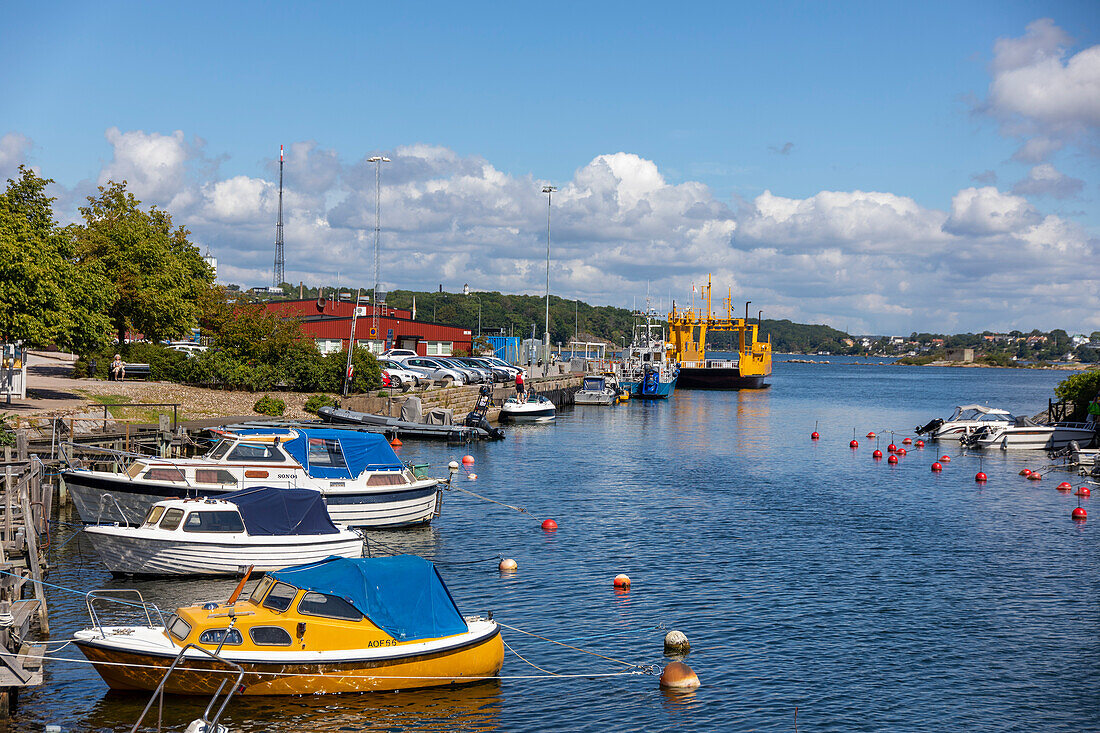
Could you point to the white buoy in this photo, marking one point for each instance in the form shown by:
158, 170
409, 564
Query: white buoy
676, 643
508, 565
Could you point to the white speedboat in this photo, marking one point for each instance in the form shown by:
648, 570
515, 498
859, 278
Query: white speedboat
965, 420
598, 389
536, 408
263, 528
362, 480
1028, 434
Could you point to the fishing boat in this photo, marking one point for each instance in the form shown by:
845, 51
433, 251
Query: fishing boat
338, 625
264, 528
597, 389
533, 408
688, 330
363, 482
965, 420
648, 372
1025, 433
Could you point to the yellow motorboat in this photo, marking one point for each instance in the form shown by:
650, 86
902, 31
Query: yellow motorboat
339, 625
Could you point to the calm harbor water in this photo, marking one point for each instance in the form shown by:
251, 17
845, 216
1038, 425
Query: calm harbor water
869, 597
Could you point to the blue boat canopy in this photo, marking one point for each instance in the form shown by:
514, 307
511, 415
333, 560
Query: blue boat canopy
403, 595
336, 454
268, 510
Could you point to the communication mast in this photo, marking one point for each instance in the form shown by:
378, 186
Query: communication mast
277, 276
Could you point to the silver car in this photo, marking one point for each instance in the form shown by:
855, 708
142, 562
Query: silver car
436, 369
473, 374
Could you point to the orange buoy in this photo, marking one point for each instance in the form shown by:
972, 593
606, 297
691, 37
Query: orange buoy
814, 435
679, 676
919, 444
1064, 486
1025, 472
396, 443
1079, 513
621, 581
1084, 491
508, 565
891, 448
1035, 476
892, 459
871, 435
945, 459
549, 525
907, 441
936, 466
854, 443
980, 477
467, 460
877, 455
471, 477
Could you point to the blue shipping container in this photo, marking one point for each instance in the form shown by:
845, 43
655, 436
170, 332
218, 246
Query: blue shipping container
505, 347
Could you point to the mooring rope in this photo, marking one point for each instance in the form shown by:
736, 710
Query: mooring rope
519, 509
509, 648
399, 551
643, 667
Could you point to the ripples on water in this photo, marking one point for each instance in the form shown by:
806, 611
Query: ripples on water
869, 596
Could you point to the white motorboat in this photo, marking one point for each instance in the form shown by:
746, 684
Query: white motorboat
965, 420
1027, 434
362, 480
536, 408
598, 389
264, 528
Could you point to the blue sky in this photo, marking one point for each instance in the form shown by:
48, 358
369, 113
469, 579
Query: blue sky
743, 98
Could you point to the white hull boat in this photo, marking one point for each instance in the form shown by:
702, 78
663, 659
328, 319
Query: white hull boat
362, 480
1028, 435
533, 409
965, 420
268, 529
599, 389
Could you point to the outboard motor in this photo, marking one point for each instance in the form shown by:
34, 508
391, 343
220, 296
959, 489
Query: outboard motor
476, 418
930, 427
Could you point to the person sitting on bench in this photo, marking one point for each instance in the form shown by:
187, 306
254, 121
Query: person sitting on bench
118, 369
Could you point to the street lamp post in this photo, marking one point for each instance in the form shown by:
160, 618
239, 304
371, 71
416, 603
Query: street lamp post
378, 160
549, 191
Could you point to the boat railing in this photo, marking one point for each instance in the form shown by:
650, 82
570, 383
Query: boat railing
102, 502
91, 597
128, 456
1076, 425
710, 364
210, 724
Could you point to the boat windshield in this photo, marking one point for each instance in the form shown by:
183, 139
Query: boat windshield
213, 522
153, 516
593, 383
968, 415
256, 452
280, 597
327, 453
260, 589
219, 449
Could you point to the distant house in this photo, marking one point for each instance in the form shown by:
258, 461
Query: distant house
964, 355
937, 342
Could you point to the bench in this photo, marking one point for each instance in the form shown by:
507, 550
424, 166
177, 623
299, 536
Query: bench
133, 371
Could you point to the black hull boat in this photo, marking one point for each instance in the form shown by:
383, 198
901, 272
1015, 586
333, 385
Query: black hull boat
718, 378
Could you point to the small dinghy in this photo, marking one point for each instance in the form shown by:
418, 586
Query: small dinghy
266, 528
338, 625
535, 408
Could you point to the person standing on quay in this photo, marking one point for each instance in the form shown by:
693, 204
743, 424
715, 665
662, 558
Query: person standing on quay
519, 386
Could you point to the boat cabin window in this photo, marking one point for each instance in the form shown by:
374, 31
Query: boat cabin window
171, 519
214, 636
178, 628
259, 590
213, 522
279, 597
387, 479
135, 469
269, 636
214, 476
320, 604
220, 449
164, 474
153, 516
256, 452
326, 453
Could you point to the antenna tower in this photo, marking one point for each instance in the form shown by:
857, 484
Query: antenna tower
277, 276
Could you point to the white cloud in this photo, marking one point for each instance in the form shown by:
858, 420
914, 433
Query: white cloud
153, 165
1046, 180
986, 211
15, 149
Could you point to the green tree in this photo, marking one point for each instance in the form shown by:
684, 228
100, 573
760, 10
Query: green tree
46, 296
158, 276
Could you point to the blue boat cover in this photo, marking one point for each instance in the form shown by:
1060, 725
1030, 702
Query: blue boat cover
336, 454
403, 595
268, 510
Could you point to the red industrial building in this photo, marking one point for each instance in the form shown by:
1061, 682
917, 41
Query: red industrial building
328, 323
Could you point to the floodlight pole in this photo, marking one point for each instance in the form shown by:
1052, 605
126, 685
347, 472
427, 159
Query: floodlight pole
549, 191
378, 160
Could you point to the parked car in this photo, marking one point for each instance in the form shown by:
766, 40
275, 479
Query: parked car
398, 353
473, 374
500, 374
398, 376
188, 348
512, 369
436, 369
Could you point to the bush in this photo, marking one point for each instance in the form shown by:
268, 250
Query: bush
317, 401
269, 406
1079, 389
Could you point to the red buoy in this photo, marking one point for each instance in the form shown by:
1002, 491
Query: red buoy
1079, 513
919, 443
1064, 486
854, 443
936, 466
945, 459
549, 525
1025, 472
907, 441
622, 581
877, 455
1084, 491
814, 435
1035, 476
468, 460
892, 459
902, 452
980, 477
891, 448
871, 435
